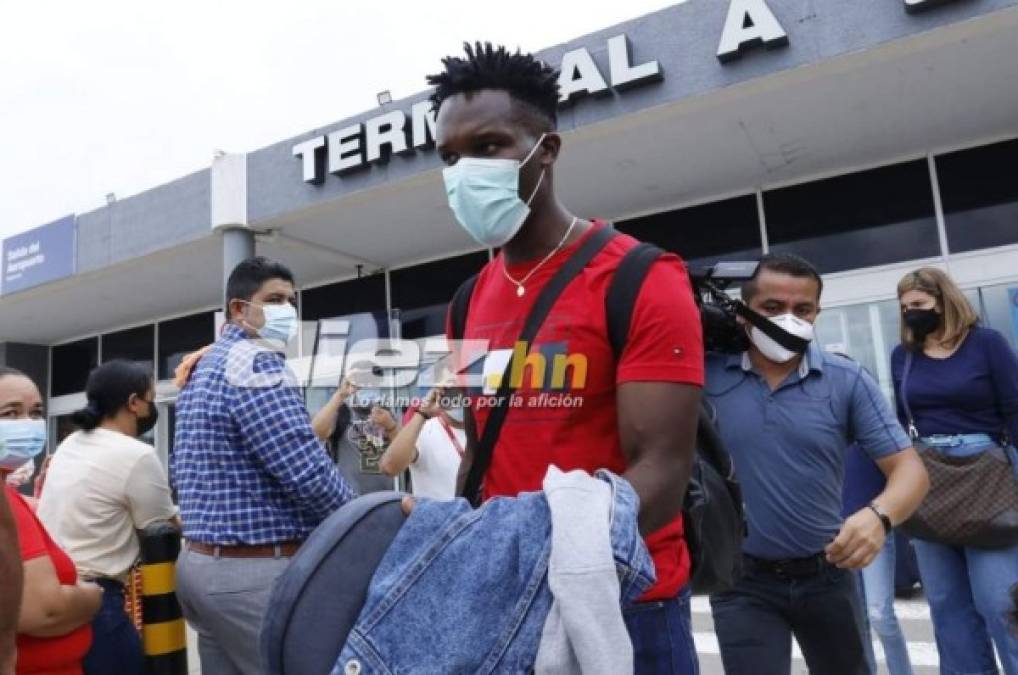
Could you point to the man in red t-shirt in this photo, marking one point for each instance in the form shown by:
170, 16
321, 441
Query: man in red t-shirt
574, 406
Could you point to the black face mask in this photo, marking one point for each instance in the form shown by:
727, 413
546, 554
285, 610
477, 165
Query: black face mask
921, 322
146, 423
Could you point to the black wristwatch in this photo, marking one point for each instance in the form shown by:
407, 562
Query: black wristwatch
884, 518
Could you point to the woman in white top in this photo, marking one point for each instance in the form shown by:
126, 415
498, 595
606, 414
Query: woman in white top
102, 486
431, 444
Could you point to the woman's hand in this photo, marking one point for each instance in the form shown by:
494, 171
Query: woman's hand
346, 389
429, 406
21, 475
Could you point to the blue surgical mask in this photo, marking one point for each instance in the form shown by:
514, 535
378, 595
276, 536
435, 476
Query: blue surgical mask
20, 441
484, 195
280, 322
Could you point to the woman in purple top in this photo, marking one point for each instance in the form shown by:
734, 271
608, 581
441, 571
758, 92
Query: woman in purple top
963, 394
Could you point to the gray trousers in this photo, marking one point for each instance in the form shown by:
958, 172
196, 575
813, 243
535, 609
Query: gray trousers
225, 600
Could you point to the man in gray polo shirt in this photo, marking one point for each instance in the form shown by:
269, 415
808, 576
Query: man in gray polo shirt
787, 412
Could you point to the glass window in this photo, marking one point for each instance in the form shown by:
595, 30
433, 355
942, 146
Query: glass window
972, 295
336, 316
133, 344
332, 342
702, 235
71, 365
1000, 304
422, 292
179, 337
980, 196
867, 333
366, 294
64, 428
861, 219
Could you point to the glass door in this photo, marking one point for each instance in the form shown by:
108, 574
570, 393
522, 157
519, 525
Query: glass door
1000, 309
866, 333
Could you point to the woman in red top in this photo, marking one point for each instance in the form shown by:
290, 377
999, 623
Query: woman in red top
54, 630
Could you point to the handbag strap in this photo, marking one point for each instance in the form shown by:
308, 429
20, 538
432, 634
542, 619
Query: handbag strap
542, 306
452, 437
913, 432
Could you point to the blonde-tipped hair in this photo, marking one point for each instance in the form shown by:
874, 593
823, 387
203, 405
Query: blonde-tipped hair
958, 315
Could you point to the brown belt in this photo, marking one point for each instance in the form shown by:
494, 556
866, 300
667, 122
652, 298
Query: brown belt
284, 549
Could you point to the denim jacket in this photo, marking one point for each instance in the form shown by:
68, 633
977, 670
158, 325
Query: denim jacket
464, 590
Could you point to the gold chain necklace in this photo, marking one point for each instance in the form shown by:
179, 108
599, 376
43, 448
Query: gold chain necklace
520, 290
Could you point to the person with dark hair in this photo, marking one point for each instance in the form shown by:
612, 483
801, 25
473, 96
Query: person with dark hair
247, 283
252, 478
788, 413
56, 606
335, 438
783, 263
332, 419
102, 486
356, 427
496, 116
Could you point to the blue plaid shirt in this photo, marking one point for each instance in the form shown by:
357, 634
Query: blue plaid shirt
246, 463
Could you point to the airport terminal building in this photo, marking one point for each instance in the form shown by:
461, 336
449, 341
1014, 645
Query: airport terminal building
871, 137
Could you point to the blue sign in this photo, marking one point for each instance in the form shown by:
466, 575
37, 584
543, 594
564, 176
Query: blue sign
38, 256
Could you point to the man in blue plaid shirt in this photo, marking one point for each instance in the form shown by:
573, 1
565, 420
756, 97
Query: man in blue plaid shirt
252, 478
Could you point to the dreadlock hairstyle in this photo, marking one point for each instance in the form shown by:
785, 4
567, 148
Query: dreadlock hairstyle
528, 80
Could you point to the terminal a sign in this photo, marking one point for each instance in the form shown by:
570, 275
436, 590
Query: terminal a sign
748, 24
395, 132
40, 255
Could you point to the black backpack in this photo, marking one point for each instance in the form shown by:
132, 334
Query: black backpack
713, 515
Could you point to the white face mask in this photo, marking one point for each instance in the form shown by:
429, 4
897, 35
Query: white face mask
280, 322
771, 350
485, 198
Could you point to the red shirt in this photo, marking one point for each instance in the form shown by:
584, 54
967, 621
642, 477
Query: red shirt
569, 418
53, 655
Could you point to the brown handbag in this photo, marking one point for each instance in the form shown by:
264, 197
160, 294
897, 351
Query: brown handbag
973, 501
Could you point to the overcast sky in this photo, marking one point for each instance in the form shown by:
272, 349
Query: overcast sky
121, 95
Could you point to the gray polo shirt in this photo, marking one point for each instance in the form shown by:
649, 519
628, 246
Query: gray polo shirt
789, 444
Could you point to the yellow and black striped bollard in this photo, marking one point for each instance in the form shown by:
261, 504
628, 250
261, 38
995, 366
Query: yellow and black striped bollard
163, 632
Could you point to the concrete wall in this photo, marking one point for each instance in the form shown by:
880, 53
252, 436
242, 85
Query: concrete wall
683, 39
162, 217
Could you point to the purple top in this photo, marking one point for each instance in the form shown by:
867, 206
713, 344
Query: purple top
975, 390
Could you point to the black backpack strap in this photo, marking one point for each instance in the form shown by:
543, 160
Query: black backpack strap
623, 290
459, 307
545, 301
620, 302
